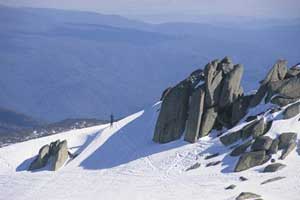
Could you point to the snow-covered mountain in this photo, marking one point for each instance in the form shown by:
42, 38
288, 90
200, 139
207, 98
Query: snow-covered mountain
122, 162
59, 64
138, 157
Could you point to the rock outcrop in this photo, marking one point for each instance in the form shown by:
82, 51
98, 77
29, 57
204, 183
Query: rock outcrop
196, 110
55, 154
274, 167
173, 113
41, 159
61, 155
250, 159
213, 86
292, 111
231, 88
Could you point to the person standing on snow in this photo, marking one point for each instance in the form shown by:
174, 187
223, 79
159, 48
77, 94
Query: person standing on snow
111, 120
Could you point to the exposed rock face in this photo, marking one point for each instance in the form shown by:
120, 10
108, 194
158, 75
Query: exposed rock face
196, 109
247, 195
277, 72
293, 71
231, 89
255, 129
56, 153
61, 156
173, 114
262, 143
226, 65
231, 138
274, 147
194, 166
165, 93
274, 167
41, 159
289, 88
250, 159
240, 108
292, 111
196, 77
259, 96
272, 180
213, 78
285, 139
286, 151
208, 121
283, 101
241, 149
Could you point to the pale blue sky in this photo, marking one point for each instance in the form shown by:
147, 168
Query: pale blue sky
257, 8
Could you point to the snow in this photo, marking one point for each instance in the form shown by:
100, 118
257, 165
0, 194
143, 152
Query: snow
122, 162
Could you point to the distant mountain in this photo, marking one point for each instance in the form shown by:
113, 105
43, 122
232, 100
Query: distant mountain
17, 127
11, 121
59, 64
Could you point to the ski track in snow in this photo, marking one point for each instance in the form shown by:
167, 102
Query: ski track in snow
121, 162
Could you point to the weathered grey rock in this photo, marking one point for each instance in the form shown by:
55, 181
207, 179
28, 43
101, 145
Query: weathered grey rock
214, 163
231, 138
231, 89
242, 178
172, 118
196, 76
41, 159
241, 149
208, 121
61, 156
213, 79
259, 95
274, 167
196, 109
211, 156
283, 101
240, 109
292, 111
285, 139
277, 72
274, 147
272, 180
165, 93
262, 143
267, 159
255, 129
226, 65
249, 160
288, 150
293, 71
289, 88
230, 187
194, 166
247, 195
54, 147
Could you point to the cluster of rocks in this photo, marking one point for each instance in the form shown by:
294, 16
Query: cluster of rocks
258, 149
55, 154
213, 98
280, 85
207, 99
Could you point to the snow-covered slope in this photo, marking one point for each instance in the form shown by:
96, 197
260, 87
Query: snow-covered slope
122, 162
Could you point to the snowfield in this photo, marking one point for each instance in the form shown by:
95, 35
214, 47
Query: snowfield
122, 162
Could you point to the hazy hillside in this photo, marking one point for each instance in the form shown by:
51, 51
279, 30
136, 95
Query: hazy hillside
60, 64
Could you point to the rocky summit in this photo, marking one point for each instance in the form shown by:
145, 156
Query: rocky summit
207, 99
213, 98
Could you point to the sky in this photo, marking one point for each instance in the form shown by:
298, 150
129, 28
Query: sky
252, 8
